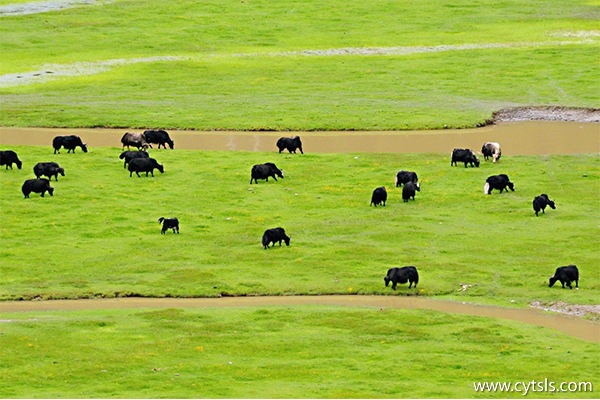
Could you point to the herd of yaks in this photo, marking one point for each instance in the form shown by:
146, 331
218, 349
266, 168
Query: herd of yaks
139, 161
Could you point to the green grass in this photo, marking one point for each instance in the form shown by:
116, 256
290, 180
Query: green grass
281, 352
99, 235
233, 69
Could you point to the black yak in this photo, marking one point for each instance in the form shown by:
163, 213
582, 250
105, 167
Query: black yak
8, 158
68, 142
264, 171
160, 137
409, 190
540, 202
275, 235
48, 169
403, 177
146, 165
379, 196
128, 155
290, 143
402, 275
500, 182
565, 275
464, 155
37, 186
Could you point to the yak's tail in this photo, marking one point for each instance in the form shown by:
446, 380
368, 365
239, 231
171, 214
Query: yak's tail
486, 188
161, 219
265, 241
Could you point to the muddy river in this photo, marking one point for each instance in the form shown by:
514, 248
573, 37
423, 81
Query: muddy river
518, 138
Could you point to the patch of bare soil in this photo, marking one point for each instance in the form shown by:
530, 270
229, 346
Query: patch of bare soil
591, 311
546, 113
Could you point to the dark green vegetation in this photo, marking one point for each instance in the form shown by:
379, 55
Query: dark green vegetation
276, 352
241, 65
99, 235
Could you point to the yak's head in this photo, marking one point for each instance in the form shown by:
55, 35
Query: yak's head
476, 161
553, 280
387, 281
511, 186
551, 204
61, 171
51, 191
287, 239
171, 144
279, 173
161, 168
19, 164
84, 147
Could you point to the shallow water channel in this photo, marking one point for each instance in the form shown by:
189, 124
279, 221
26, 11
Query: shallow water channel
519, 138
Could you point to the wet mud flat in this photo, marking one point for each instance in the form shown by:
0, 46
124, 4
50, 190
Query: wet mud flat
573, 326
516, 138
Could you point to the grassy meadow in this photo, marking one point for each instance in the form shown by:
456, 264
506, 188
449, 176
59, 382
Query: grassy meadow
256, 64
285, 65
99, 236
281, 352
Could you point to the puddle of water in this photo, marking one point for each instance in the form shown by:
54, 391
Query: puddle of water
573, 326
518, 138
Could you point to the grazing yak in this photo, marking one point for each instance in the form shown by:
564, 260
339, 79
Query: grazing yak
540, 202
565, 275
8, 158
37, 186
264, 171
69, 143
137, 140
128, 155
464, 155
169, 223
491, 149
275, 235
146, 165
403, 177
409, 190
402, 275
159, 137
500, 182
379, 196
290, 143
48, 169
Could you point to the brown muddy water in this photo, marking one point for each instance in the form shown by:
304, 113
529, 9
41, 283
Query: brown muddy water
518, 138
573, 326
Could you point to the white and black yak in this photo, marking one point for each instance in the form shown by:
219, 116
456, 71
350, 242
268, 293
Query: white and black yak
169, 223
